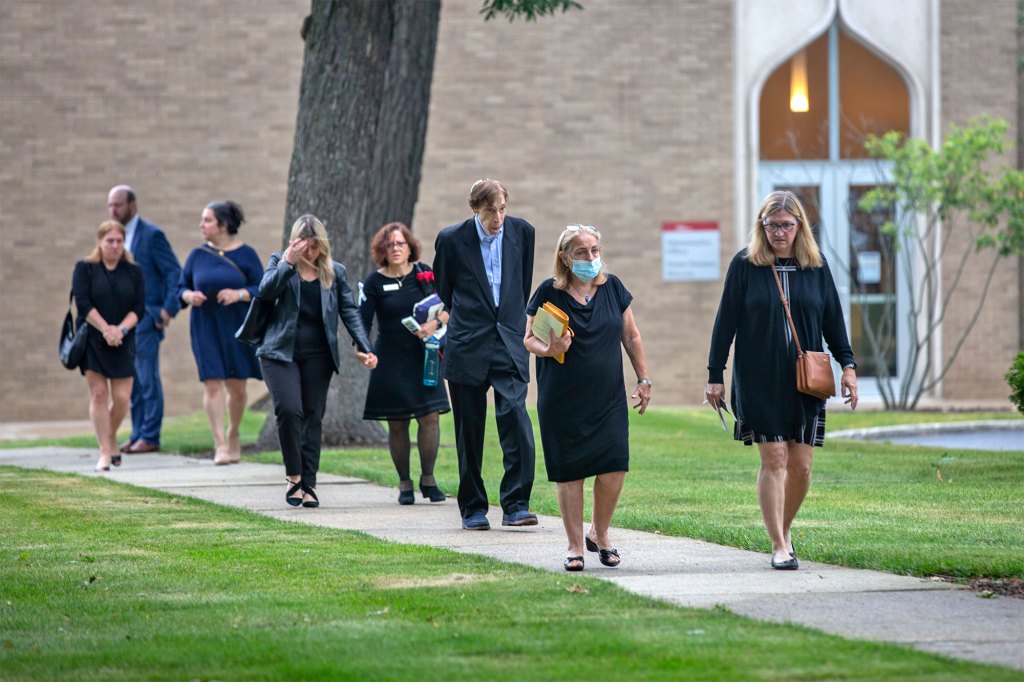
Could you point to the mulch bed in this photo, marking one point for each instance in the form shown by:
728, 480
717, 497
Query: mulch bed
991, 587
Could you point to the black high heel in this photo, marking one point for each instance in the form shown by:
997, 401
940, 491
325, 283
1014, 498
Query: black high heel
432, 493
296, 487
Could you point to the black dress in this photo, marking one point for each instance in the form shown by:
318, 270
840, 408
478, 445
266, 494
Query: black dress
396, 389
114, 293
581, 404
764, 396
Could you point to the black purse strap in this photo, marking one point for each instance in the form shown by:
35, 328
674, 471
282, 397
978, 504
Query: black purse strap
220, 254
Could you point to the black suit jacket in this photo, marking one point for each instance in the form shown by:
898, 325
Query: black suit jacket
476, 325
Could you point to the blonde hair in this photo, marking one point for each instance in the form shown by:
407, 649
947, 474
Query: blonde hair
563, 272
805, 249
310, 227
105, 228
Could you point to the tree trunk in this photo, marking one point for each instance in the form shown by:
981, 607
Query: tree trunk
359, 138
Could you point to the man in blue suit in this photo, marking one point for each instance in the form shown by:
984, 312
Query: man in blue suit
160, 271
484, 271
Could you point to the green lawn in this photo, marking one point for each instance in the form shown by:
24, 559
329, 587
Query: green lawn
904, 509
104, 581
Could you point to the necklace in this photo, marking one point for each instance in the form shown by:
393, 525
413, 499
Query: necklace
586, 297
399, 279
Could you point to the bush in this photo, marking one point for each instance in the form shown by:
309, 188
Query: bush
1015, 378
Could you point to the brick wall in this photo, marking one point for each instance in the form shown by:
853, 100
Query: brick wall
612, 116
188, 102
978, 62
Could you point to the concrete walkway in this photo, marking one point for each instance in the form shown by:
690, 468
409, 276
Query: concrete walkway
927, 615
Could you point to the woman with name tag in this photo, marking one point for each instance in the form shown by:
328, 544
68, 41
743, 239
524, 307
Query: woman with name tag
785, 423
110, 296
398, 390
581, 397
219, 279
309, 293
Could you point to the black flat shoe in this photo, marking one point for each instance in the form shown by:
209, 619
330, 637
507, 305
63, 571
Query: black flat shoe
116, 460
432, 493
315, 502
296, 487
790, 564
406, 497
570, 562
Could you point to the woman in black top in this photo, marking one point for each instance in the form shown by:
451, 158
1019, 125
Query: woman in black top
769, 411
581, 402
110, 297
396, 392
299, 351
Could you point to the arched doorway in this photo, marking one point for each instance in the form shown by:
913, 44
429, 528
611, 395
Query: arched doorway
814, 113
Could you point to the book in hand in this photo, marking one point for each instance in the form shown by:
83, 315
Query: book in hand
422, 312
551, 319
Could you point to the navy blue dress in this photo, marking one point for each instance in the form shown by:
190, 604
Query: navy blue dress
218, 354
581, 404
396, 389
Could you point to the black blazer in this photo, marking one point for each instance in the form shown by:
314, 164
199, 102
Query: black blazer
280, 286
476, 325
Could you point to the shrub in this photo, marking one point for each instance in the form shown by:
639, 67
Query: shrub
1015, 378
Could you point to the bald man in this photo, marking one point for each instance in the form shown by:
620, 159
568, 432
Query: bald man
160, 271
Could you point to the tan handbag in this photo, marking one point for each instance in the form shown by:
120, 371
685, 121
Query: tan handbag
813, 368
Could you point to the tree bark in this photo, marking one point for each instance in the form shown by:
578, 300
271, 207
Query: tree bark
359, 138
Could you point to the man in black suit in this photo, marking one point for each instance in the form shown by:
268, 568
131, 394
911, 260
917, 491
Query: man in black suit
484, 271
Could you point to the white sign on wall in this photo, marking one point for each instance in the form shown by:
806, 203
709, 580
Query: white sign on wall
690, 251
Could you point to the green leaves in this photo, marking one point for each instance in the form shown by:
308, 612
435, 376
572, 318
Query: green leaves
959, 180
527, 9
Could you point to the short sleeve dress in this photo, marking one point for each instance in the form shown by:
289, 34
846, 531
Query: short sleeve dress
396, 389
581, 404
114, 293
218, 354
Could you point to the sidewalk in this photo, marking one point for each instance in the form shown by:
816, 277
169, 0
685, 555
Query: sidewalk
931, 616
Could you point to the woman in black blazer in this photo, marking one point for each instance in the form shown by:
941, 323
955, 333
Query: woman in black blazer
111, 297
299, 351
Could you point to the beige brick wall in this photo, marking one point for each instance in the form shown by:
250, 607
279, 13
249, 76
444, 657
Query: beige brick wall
979, 60
188, 102
611, 116
614, 116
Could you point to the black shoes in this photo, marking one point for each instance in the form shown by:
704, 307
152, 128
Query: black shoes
605, 555
476, 521
573, 563
406, 497
315, 502
296, 486
790, 564
432, 493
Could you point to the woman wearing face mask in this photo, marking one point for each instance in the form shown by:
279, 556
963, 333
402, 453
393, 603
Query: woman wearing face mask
581, 402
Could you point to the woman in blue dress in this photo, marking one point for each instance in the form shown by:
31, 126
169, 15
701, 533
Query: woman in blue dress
219, 280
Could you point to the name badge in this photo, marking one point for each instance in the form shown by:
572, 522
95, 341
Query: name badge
391, 287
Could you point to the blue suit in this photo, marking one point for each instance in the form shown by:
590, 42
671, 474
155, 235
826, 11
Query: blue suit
160, 271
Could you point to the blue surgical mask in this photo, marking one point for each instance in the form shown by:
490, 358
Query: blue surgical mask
586, 270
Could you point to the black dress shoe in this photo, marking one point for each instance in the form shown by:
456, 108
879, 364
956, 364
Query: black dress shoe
790, 564
406, 497
432, 493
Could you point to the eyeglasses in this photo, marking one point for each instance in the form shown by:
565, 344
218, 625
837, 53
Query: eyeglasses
778, 227
396, 245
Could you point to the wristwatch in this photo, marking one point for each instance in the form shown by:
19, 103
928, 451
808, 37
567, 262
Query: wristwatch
644, 381
124, 330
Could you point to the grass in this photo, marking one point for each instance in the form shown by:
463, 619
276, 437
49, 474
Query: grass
904, 509
104, 581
